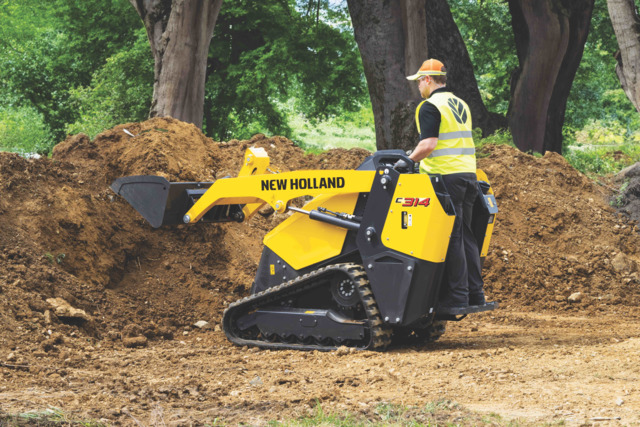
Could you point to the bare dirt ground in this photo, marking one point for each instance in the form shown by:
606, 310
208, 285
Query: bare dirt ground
97, 308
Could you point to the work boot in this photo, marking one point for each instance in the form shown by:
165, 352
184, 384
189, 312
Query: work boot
477, 299
448, 303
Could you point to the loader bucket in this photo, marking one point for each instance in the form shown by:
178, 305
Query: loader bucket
159, 201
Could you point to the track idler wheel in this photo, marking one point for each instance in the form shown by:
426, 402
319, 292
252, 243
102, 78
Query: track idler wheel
345, 292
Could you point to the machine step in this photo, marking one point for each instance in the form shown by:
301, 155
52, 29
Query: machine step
452, 313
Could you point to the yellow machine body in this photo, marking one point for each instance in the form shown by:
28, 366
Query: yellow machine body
302, 242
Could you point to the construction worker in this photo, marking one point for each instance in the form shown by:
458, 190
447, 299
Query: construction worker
446, 147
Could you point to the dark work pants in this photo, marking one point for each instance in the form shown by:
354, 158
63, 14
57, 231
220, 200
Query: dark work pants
462, 274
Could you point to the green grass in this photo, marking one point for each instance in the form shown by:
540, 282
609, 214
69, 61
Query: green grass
48, 417
600, 160
441, 412
438, 413
350, 131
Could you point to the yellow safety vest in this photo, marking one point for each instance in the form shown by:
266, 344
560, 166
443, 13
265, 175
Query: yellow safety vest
455, 151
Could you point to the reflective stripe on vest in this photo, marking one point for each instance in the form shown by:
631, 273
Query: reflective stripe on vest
456, 135
455, 151
452, 152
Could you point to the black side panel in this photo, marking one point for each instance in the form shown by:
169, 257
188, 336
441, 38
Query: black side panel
406, 289
272, 271
390, 272
484, 211
423, 291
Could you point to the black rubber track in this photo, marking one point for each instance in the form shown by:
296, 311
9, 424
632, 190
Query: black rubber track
377, 338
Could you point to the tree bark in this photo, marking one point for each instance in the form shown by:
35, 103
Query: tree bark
550, 37
380, 33
179, 33
394, 38
579, 24
414, 23
626, 25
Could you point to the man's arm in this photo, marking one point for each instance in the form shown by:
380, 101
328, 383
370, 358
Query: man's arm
429, 117
424, 148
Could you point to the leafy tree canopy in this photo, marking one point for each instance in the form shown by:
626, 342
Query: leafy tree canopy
267, 53
48, 48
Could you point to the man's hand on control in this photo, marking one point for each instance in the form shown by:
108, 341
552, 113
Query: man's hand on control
401, 166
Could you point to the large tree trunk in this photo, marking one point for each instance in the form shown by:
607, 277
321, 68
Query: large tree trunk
550, 37
394, 37
179, 33
381, 37
626, 25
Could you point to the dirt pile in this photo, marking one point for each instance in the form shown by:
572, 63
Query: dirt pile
65, 235
557, 237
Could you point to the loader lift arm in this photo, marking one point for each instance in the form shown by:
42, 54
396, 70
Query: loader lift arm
278, 190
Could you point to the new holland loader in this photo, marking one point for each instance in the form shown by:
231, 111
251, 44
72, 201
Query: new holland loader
360, 265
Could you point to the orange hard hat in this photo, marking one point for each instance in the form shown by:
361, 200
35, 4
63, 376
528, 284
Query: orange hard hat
430, 67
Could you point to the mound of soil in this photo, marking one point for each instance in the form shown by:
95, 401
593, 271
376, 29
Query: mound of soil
65, 236
556, 236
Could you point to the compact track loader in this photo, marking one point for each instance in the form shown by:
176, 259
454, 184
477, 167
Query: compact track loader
360, 265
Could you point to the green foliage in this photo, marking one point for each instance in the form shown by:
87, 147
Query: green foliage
48, 48
618, 201
500, 137
353, 129
266, 55
36, 72
288, 67
440, 405
23, 130
604, 147
57, 258
486, 27
120, 91
49, 417
599, 160
440, 412
595, 94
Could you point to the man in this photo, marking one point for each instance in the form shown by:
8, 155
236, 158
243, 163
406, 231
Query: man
446, 147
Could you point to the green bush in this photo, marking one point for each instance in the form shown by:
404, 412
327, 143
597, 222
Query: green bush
120, 91
349, 130
22, 130
596, 132
603, 160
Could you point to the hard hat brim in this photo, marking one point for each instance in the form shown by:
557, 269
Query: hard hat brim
419, 74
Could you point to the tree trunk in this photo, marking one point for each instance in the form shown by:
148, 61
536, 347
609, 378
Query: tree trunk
626, 25
579, 24
381, 37
179, 33
550, 37
414, 23
394, 38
